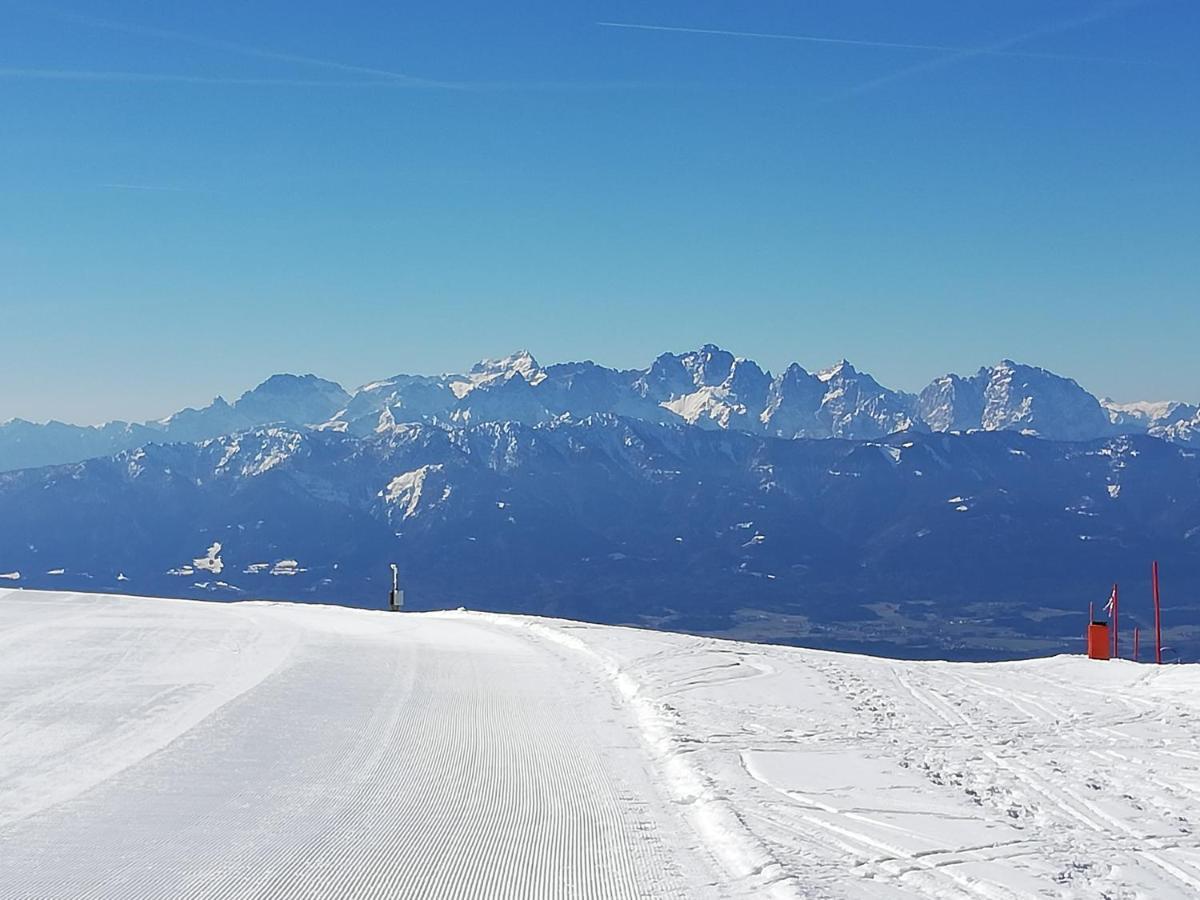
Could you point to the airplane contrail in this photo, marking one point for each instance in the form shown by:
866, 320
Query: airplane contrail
105, 75
152, 188
246, 49
167, 78
376, 77
994, 50
1099, 13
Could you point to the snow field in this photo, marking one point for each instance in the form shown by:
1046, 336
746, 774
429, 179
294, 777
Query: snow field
157, 748
867, 777
376, 755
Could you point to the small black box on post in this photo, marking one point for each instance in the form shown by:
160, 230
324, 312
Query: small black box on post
396, 597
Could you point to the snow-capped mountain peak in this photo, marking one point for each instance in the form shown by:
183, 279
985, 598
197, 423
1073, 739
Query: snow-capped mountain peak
839, 369
520, 363
1166, 419
1029, 398
1012, 396
1143, 411
855, 405
218, 403
709, 366
708, 387
295, 399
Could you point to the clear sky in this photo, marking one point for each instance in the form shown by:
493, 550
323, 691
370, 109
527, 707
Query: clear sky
197, 194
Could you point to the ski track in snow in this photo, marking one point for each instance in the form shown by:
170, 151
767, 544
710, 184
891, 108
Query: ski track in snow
864, 777
156, 748
375, 755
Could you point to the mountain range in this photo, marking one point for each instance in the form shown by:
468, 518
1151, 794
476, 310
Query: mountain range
976, 519
708, 388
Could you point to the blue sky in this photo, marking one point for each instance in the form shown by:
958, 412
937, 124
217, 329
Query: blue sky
197, 195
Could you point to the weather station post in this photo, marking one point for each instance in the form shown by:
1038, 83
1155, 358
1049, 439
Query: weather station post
396, 597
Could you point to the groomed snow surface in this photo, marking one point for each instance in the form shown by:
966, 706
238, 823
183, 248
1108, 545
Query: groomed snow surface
161, 748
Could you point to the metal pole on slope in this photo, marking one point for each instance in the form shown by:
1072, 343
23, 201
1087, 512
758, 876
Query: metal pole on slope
1136, 642
1116, 640
1157, 616
396, 597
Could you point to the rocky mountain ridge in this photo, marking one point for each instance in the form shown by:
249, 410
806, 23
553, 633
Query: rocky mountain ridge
707, 388
964, 545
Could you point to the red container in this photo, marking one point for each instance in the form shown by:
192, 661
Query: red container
1098, 640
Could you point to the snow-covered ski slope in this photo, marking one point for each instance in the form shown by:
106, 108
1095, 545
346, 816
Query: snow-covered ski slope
159, 748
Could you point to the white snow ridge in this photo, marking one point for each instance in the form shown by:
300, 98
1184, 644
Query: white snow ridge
176, 749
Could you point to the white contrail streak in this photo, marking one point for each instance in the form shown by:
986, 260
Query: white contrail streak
245, 49
100, 75
374, 77
1099, 13
153, 188
993, 50
165, 78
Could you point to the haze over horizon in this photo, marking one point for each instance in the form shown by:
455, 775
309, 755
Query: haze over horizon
201, 195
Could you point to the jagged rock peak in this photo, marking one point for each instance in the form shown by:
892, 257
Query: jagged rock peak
841, 368
521, 363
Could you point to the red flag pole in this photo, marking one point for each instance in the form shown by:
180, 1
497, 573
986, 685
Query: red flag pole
1116, 642
1157, 617
1136, 635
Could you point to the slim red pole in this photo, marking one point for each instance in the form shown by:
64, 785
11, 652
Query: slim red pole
1157, 617
1116, 651
1136, 635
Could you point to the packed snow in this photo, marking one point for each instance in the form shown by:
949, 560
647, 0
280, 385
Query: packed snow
163, 748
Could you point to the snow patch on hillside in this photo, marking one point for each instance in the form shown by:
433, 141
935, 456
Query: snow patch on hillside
405, 491
287, 567
211, 561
